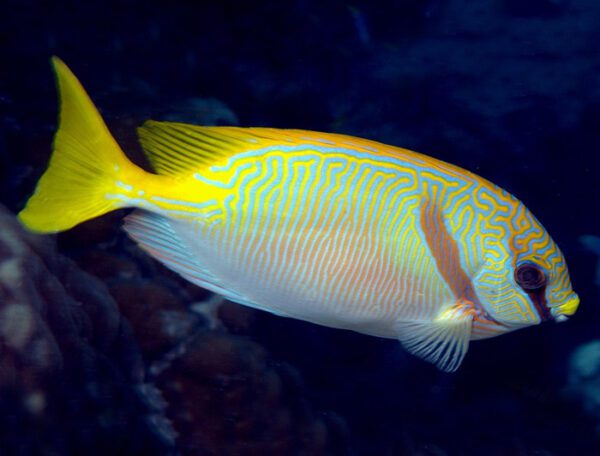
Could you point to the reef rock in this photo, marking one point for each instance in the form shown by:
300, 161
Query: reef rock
583, 385
226, 396
70, 370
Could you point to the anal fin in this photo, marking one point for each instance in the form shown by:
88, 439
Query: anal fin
158, 235
443, 341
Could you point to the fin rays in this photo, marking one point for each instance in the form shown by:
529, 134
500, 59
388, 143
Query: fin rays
82, 167
159, 236
443, 342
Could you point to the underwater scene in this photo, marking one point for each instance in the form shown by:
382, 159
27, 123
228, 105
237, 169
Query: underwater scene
300, 228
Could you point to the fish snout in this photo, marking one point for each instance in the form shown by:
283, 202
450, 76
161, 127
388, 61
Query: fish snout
564, 311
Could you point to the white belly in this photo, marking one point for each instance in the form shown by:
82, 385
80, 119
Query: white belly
339, 279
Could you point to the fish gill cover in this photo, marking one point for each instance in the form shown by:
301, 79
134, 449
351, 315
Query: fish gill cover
104, 351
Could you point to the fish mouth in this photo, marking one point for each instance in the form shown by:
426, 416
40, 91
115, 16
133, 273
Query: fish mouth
565, 310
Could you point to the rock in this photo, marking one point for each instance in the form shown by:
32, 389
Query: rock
70, 369
226, 397
583, 384
160, 319
202, 111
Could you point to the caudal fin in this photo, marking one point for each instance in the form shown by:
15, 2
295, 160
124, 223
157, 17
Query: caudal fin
85, 166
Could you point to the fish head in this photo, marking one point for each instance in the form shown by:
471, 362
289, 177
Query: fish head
524, 279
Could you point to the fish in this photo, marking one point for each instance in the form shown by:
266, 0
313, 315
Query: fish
327, 228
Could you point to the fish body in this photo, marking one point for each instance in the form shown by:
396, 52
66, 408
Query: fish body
332, 229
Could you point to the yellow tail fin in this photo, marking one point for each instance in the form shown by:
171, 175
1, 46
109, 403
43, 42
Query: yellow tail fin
85, 166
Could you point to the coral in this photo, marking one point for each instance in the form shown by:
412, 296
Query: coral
224, 395
202, 111
70, 370
583, 384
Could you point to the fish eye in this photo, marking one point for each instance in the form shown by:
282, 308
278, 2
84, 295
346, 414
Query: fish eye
530, 277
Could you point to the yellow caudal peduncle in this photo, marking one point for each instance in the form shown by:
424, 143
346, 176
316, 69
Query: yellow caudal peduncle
86, 165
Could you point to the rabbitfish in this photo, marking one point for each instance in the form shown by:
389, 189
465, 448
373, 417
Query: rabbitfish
327, 228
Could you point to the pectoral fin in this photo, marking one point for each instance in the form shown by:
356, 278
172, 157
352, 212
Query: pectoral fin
443, 341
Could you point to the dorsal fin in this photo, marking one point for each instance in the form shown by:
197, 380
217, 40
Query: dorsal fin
175, 148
